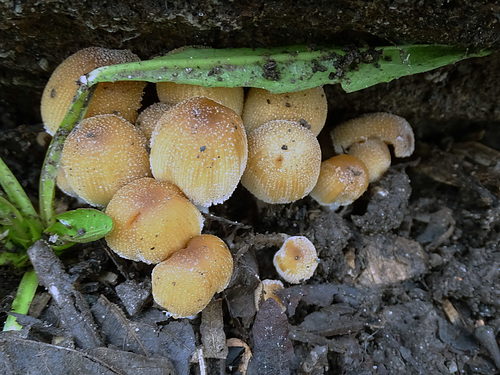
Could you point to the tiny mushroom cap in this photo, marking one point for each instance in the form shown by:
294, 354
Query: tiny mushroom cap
342, 180
123, 98
307, 106
173, 93
391, 129
375, 154
147, 119
151, 220
102, 154
186, 282
247, 353
266, 289
200, 146
284, 160
296, 260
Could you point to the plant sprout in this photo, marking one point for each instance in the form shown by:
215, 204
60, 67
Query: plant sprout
278, 70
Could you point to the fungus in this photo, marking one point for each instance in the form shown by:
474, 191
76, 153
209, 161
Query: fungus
308, 106
200, 146
186, 282
173, 93
389, 128
147, 119
284, 160
242, 364
63, 184
375, 154
266, 289
122, 98
342, 180
296, 260
102, 154
151, 220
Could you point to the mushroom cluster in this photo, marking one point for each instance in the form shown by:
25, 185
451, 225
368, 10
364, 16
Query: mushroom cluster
153, 171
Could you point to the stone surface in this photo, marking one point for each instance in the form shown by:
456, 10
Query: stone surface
35, 36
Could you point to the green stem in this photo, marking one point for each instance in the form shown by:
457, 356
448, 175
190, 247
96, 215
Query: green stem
52, 160
21, 304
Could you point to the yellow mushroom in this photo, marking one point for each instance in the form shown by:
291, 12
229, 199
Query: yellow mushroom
147, 119
102, 154
267, 289
121, 98
200, 146
172, 93
284, 160
342, 180
296, 260
151, 221
309, 107
389, 128
375, 154
186, 282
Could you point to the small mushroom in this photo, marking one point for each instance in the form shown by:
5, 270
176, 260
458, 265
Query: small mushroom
375, 154
151, 221
266, 289
172, 93
102, 154
308, 106
147, 119
186, 282
200, 146
296, 260
389, 128
122, 98
342, 180
284, 160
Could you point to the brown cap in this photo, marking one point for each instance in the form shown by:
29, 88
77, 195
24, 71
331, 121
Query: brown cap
342, 180
151, 221
308, 107
200, 146
102, 154
173, 93
296, 260
123, 98
284, 159
186, 282
391, 129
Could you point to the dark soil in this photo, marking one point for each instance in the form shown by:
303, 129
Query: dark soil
408, 281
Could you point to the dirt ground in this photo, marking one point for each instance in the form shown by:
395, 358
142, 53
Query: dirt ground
408, 281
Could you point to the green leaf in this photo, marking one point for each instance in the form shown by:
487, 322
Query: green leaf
285, 69
18, 199
81, 225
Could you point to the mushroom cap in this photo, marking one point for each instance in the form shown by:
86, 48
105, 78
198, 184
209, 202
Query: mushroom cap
151, 220
284, 160
63, 184
391, 129
266, 289
102, 154
342, 180
375, 154
296, 260
200, 146
147, 119
173, 93
261, 106
123, 98
186, 282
